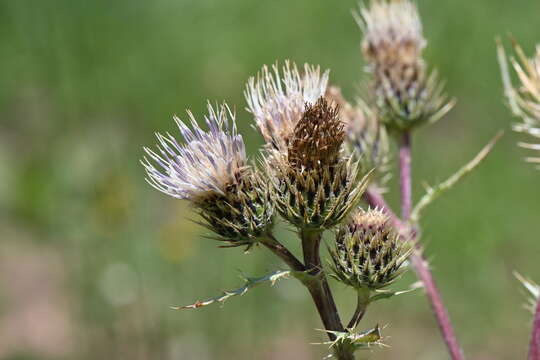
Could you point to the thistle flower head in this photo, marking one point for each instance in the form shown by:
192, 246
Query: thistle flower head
210, 170
366, 136
405, 96
314, 185
392, 32
524, 99
368, 253
276, 99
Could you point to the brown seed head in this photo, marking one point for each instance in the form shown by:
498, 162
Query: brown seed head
317, 137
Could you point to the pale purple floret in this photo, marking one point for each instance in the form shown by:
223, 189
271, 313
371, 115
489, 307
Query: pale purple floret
277, 99
205, 163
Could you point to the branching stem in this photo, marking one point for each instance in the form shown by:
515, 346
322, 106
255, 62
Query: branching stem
419, 263
316, 283
282, 252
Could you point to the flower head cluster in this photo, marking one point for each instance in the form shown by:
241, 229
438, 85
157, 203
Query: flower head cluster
368, 252
277, 99
315, 186
405, 95
210, 170
524, 100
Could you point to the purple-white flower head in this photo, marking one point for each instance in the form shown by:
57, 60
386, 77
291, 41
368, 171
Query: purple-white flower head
207, 162
392, 31
210, 170
277, 99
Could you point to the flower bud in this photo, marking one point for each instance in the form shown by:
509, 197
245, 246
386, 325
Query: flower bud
368, 253
404, 94
315, 186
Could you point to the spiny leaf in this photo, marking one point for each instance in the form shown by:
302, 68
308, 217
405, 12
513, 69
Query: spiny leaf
532, 288
386, 294
249, 283
356, 341
432, 193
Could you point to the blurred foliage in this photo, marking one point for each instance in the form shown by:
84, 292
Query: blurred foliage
86, 83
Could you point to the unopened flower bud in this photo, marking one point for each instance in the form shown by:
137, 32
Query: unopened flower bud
368, 253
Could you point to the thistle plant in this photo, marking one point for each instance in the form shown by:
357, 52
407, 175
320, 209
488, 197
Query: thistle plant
322, 167
315, 186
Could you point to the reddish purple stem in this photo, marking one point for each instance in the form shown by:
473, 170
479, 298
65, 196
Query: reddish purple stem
405, 175
419, 263
443, 319
534, 349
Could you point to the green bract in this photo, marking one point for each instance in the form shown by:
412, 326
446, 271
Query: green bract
368, 253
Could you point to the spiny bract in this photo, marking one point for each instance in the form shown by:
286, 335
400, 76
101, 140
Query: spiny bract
314, 185
368, 253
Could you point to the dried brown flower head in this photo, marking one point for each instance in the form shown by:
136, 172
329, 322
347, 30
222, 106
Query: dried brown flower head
365, 135
315, 185
317, 137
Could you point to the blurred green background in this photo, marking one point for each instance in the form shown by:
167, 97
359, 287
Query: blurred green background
91, 257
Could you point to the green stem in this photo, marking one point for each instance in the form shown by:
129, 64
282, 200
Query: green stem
282, 252
320, 290
315, 282
361, 306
